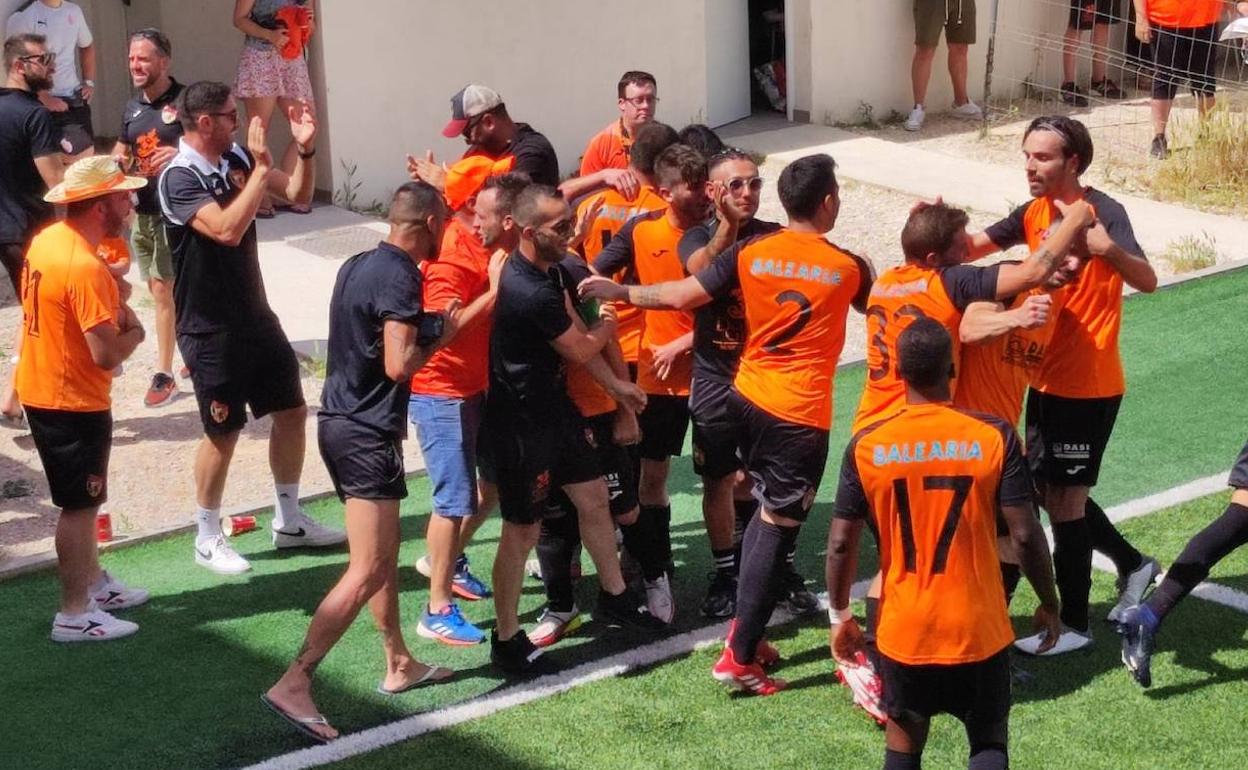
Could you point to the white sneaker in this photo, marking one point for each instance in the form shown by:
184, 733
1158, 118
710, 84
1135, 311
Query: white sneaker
659, 599
303, 531
112, 594
1131, 590
217, 555
968, 111
424, 566
553, 626
1069, 641
533, 568
94, 625
915, 121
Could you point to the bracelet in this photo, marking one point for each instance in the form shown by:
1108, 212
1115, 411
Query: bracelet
837, 617
307, 155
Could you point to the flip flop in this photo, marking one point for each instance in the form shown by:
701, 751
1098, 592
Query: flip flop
294, 208
302, 724
426, 678
265, 213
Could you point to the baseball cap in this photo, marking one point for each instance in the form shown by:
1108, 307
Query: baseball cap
471, 101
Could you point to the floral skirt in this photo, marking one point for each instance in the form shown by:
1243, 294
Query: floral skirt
262, 72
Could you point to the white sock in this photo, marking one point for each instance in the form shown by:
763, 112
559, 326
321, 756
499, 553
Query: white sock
209, 522
285, 505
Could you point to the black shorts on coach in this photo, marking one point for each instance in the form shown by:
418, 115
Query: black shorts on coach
532, 461
663, 422
74, 449
1066, 437
715, 435
231, 371
784, 460
363, 462
977, 694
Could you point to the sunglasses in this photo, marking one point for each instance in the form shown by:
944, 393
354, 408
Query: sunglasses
232, 115
564, 227
41, 58
737, 184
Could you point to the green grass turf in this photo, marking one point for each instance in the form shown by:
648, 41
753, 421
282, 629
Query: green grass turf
183, 692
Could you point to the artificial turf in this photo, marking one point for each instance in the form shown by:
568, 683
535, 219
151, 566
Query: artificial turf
184, 691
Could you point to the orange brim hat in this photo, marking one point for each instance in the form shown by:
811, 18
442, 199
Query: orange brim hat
465, 178
91, 178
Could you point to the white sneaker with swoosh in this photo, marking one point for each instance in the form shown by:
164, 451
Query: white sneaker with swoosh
305, 532
217, 555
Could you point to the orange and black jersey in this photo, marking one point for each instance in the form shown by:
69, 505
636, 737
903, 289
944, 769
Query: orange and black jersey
719, 327
797, 289
589, 397
899, 296
933, 479
1084, 361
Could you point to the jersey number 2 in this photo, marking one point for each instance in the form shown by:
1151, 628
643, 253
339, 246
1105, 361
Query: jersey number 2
961, 488
776, 345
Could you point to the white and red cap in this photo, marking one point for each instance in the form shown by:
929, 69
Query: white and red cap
471, 101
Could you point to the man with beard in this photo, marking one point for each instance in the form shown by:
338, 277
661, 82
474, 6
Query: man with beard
228, 335
150, 130
75, 332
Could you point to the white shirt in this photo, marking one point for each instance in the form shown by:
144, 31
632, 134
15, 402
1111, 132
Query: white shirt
66, 29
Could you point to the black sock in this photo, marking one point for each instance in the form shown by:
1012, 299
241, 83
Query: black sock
744, 511
762, 553
656, 551
895, 760
725, 560
1072, 565
1010, 575
559, 537
1108, 540
988, 758
1209, 546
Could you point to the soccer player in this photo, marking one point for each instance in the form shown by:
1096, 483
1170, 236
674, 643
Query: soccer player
228, 335
933, 480
379, 335
536, 441
606, 157
648, 246
75, 331
1074, 400
796, 289
150, 130
1139, 625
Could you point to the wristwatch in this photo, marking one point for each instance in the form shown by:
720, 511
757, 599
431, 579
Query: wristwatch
89, 83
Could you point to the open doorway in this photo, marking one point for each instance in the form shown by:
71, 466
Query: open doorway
768, 81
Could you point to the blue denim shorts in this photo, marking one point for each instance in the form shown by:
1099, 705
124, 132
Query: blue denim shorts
447, 429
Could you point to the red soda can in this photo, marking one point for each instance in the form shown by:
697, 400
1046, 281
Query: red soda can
103, 527
237, 525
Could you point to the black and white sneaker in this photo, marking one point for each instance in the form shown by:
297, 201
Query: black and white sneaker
721, 595
795, 596
94, 625
518, 655
626, 609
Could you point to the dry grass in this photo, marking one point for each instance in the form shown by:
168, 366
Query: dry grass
1191, 253
1209, 167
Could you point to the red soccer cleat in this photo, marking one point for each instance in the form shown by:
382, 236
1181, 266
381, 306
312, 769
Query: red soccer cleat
866, 686
765, 653
745, 678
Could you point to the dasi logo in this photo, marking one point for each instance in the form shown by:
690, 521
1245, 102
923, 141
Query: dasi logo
926, 452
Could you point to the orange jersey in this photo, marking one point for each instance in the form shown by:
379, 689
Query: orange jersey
899, 296
461, 271
933, 479
993, 375
615, 212
589, 397
797, 290
114, 251
66, 291
608, 149
649, 244
1184, 14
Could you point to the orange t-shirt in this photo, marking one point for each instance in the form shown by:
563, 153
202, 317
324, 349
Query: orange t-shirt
797, 290
66, 291
114, 251
648, 243
461, 271
993, 375
615, 212
589, 397
933, 479
899, 296
608, 148
1184, 14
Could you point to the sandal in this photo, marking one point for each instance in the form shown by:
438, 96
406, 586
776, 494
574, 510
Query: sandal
432, 674
302, 724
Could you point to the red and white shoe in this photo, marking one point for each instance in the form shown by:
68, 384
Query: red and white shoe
866, 686
94, 625
765, 653
745, 678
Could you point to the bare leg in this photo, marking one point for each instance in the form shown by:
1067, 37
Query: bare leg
442, 543
1160, 109
1070, 47
593, 511
212, 465
162, 296
958, 69
1100, 51
513, 548
77, 558
921, 72
1204, 103
286, 445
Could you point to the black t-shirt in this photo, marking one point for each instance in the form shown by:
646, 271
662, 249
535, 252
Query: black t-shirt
526, 372
216, 287
719, 326
26, 133
1012, 231
372, 288
144, 127
535, 156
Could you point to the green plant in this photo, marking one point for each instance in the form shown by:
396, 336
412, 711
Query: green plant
347, 193
1191, 253
1209, 168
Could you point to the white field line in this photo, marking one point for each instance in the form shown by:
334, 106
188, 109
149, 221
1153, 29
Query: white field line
374, 738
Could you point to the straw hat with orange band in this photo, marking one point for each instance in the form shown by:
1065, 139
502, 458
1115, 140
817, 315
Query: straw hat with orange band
91, 178
465, 178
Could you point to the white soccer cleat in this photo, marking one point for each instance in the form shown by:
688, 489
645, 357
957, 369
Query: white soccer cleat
111, 594
94, 625
866, 686
1070, 641
424, 566
217, 555
659, 599
915, 120
1131, 590
968, 111
302, 531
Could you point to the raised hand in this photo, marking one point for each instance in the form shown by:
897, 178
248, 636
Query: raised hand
257, 144
302, 125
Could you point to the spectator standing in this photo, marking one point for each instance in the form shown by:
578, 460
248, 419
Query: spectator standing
605, 160
1095, 15
70, 42
957, 19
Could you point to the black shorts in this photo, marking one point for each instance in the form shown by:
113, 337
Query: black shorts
1183, 55
978, 694
232, 371
74, 448
363, 462
785, 460
13, 255
663, 423
75, 127
1085, 13
1239, 471
1066, 437
533, 458
614, 463
715, 436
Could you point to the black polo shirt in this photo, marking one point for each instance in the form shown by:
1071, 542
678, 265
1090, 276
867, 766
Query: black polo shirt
526, 372
372, 288
26, 133
216, 287
146, 126
719, 327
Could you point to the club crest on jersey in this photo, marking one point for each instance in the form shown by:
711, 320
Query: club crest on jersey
95, 485
238, 178
926, 452
541, 487
169, 114
219, 412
